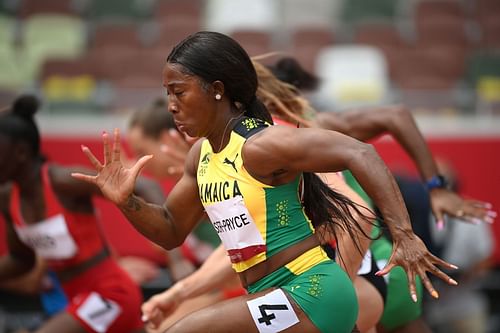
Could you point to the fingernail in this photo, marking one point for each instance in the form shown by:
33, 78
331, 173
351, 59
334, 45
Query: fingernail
453, 266
378, 273
489, 220
476, 221
435, 294
163, 148
453, 282
488, 205
144, 318
83, 147
440, 225
491, 213
173, 131
414, 298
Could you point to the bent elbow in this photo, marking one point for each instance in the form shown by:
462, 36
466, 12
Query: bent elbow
366, 151
358, 153
401, 115
171, 245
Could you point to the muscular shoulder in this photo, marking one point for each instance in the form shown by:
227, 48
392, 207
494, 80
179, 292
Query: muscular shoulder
267, 152
274, 140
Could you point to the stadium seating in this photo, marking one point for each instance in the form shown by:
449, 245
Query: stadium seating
353, 75
46, 36
424, 42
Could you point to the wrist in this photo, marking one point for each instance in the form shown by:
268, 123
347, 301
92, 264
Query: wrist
130, 203
436, 181
179, 291
400, 231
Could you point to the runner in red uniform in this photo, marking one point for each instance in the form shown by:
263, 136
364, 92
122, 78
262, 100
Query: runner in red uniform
51, 215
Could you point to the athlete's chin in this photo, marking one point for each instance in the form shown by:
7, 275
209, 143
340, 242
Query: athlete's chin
190, 132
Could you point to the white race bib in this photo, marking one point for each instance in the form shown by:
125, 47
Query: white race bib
98, 312
49, 238
272, 312
234, 225
381, 264
366, 264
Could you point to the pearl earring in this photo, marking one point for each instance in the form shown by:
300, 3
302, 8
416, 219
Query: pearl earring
218, 97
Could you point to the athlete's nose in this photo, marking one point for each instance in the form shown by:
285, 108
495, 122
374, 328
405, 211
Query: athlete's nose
171, 106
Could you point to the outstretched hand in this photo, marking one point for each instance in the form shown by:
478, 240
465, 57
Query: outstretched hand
446, 202
410, 253
114, 180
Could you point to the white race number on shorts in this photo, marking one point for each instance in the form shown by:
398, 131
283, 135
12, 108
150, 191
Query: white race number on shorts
366, 264
381, 264
98, 312
272, 312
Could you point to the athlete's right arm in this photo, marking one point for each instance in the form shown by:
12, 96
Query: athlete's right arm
214, 273
167, 225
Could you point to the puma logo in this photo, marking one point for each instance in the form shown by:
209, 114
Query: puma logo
231, 163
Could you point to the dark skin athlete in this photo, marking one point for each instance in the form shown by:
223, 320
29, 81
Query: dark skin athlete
396, 120
274, 156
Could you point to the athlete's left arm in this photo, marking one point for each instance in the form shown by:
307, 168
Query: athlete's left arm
369, 123
284, 151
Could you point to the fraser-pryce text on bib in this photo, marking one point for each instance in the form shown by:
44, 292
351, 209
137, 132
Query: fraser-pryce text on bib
236, 229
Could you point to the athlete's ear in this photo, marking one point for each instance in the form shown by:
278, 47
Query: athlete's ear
218, 89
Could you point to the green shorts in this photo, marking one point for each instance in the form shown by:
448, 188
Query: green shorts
324, 292
399, 308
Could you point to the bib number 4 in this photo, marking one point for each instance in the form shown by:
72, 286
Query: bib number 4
272, 312
266, 318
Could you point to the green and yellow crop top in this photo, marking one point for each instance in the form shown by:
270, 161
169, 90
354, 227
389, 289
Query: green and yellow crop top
253, 220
